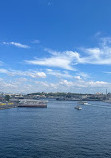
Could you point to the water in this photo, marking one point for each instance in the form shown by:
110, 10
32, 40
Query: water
60, 131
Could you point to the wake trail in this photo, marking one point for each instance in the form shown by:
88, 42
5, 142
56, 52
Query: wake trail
101, 106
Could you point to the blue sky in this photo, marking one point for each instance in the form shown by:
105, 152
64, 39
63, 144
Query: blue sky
55, 45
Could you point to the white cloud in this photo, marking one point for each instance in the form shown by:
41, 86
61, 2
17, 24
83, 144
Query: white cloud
52, 62
29, 73
83, 75
43, 84
83, 84
78, 77
3, 71
66, 80
58, 73
30, 85
99, 55
16, 44
66, 83
36, 41
98, 83
22, 79
62, 60
67, 59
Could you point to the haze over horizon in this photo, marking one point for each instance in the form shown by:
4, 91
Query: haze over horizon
55, 46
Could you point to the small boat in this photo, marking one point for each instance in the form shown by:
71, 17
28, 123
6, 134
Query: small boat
78, 108
85, 103
82, 102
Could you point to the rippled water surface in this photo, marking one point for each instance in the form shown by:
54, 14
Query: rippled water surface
60, 131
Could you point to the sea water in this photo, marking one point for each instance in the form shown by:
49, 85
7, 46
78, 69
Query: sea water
58, 131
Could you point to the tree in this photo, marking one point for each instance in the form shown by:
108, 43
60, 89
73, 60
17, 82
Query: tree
7, 97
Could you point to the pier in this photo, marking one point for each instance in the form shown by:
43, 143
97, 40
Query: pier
7, 105
24, 103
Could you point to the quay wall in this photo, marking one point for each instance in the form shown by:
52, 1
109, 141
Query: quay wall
7, 106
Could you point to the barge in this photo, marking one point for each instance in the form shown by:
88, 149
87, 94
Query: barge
33, 103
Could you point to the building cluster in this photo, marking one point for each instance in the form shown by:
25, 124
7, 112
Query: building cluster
57, 96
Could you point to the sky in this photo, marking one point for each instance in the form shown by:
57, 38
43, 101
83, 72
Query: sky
55, 46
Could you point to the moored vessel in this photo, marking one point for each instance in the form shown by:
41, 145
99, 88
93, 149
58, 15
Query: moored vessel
33, 103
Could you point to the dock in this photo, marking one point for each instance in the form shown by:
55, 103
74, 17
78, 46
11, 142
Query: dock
7, 106
24, 103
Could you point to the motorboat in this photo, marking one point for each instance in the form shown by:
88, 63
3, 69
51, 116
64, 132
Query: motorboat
78, 108
85, 103
82, 103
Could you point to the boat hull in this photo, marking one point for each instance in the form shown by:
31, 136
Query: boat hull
33, 106
78, 108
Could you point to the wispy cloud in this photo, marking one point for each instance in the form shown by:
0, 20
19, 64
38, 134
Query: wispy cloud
98, 55
16, 44
63, 85
74, 86
77, 77
83, 75
62, 60
36, 41
109, 72
1, 63
67, 59
50, 3
83, 84
58, 73
29, 73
